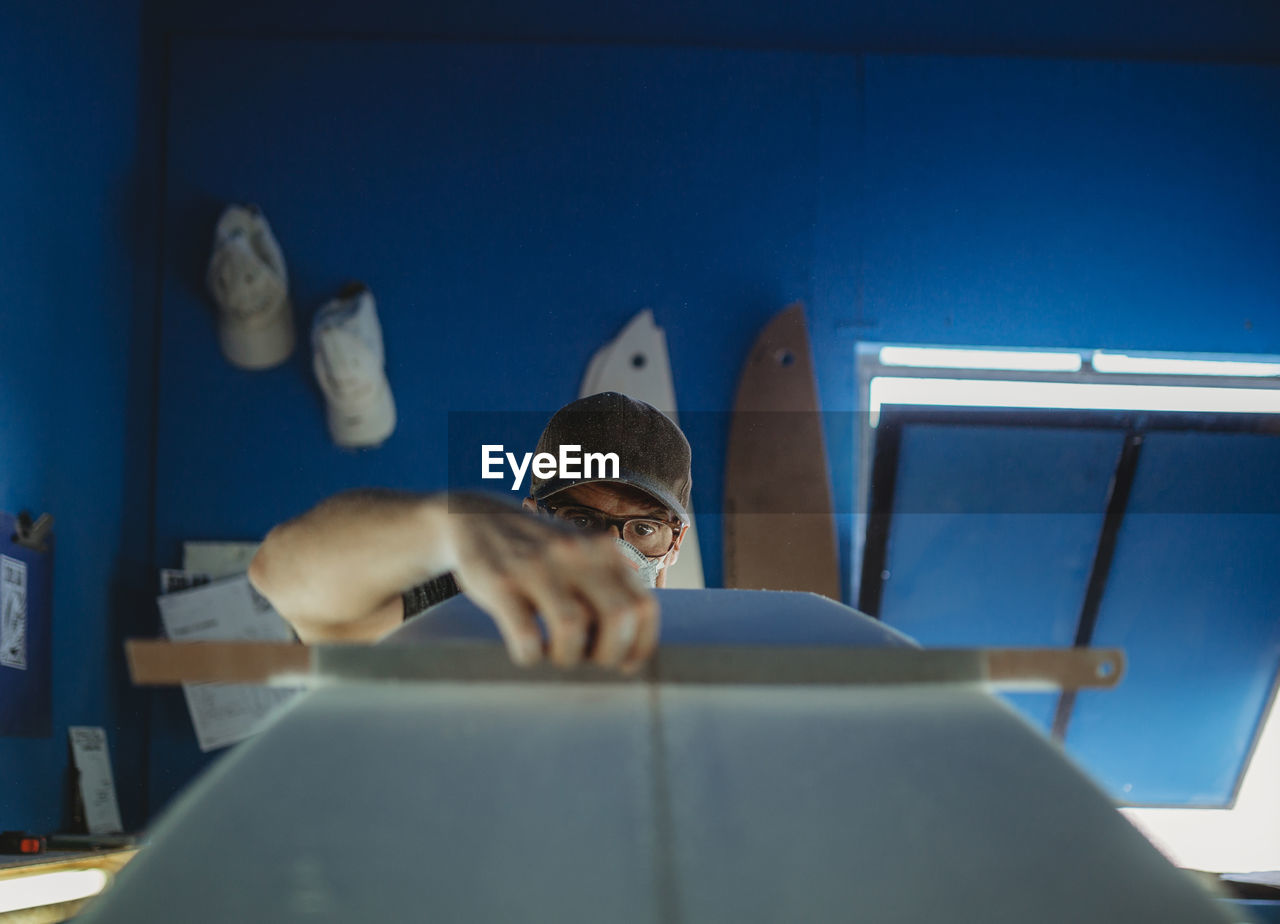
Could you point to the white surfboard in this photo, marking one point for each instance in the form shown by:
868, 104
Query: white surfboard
636, 364
653, 803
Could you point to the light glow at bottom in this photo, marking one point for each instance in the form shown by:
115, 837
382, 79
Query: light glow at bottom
1242, 839
50, 888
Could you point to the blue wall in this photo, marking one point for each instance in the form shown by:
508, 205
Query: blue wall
512, 204
514, 182
68, 246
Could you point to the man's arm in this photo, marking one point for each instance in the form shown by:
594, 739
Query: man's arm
337, 573
333, 573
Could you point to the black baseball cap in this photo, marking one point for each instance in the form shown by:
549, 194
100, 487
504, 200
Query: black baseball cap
653, 455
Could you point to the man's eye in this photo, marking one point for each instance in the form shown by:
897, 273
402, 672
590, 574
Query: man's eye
644, 529
581, 522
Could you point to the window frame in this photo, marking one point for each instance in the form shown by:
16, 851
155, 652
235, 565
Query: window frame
1181, 832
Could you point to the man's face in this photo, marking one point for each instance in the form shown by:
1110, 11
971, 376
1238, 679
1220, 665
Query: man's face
622, 502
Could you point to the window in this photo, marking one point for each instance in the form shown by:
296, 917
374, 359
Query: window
1086, 497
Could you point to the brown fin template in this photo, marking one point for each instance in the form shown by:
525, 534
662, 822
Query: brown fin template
779, 531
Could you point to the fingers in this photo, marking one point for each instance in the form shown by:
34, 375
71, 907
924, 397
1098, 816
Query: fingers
592, 603
646, 641
620, 605
616, 635
514, 617
565, 617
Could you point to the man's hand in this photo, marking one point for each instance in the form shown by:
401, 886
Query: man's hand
337, 572
518, 567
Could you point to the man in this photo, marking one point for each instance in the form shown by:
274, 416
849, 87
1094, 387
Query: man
357, 565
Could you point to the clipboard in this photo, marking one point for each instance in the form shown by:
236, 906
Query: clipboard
26, 610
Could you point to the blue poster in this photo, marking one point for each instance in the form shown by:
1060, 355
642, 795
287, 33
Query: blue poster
26, 598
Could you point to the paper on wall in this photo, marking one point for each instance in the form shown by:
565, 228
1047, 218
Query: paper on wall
224, 610
218, 559
13, 613
92, 758
175, 579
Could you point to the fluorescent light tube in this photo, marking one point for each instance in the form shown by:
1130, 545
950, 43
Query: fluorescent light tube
50, 888
1004, 360
1154, 365
1088, 396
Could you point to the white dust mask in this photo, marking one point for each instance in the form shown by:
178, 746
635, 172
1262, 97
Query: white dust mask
646, 567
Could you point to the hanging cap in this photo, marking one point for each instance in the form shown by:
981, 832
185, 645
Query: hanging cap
250, 284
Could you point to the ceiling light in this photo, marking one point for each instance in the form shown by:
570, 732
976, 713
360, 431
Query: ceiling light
1087, 396
1003, 360
1155, 365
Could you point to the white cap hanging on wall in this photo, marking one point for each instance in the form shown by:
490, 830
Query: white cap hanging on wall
248, 280
346, 340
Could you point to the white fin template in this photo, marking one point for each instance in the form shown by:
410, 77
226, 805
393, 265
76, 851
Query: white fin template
636, 364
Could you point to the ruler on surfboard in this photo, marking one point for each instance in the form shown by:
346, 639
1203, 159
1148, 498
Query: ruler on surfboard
160, 663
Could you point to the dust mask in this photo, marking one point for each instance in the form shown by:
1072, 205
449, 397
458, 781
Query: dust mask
646, 567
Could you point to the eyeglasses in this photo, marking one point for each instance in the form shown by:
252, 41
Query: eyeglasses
651, 536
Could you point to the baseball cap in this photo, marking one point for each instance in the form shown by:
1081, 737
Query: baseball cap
653, 455
250, 284
347, 356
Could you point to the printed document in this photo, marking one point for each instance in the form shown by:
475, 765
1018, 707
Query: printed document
225, 610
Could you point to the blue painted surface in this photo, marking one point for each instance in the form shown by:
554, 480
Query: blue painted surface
1068, 204
993, 536
1016, 202
1193, 598
68, 141
1058, 204
511, 205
